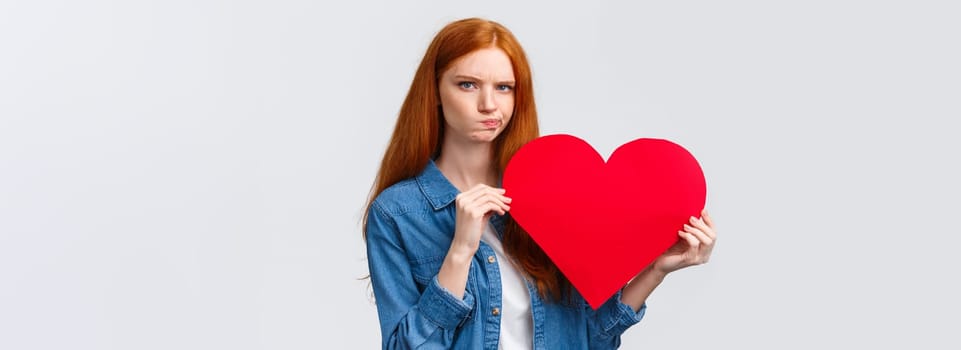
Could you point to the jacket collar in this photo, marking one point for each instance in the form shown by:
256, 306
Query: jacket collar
441, 193
438, 190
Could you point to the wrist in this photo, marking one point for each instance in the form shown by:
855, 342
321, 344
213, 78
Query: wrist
652, 273
461, 253
636, 291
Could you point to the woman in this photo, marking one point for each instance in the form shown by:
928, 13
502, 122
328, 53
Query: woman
449, 267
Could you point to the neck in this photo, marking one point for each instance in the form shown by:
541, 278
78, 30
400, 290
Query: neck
467, 164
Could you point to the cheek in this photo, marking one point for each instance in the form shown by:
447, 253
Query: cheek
507, 106
450, 115
453, 109
448, 106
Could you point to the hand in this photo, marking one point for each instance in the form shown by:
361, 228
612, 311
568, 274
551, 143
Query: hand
474, 207
694, 247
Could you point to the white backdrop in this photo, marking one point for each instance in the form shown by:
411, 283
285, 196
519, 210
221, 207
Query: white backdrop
191, 174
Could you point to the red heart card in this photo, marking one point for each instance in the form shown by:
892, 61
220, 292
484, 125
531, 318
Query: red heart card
602, 223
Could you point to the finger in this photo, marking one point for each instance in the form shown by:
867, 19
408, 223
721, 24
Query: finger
700, 224
465, 198
497, 202
692, 242
504, 202
505, 199
482, 190
707, 218
474, 194
697, 253
482, 210
497, 192
479, 208
494, 207
705, 254
700, 235
491, 195
481, 194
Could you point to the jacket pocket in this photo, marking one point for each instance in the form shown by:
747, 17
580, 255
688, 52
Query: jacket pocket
425, 269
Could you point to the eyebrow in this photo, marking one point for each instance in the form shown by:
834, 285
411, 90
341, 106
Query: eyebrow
471, 77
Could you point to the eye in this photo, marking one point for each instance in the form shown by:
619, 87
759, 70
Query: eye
505, 87
467, 84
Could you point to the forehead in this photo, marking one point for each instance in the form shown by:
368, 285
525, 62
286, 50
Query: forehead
489, 63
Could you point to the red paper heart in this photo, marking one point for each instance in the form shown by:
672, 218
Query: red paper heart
602, 223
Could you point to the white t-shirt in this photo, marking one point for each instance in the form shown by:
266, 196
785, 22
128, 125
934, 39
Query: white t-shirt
517, 329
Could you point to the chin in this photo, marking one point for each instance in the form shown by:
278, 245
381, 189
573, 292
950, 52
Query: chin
486, 137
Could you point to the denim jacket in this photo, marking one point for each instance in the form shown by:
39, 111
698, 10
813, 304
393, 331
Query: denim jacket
410, 227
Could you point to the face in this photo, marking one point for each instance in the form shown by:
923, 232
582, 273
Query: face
477, 96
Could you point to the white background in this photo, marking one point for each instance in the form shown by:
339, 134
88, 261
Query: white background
192, 174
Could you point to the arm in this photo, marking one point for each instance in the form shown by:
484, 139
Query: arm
408, 318
606, 324
474, 207
628, 306
694, 248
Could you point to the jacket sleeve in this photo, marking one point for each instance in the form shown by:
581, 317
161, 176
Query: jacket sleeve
606, 324
409, 319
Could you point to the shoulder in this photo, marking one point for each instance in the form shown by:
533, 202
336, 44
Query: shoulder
389, 212
399, 198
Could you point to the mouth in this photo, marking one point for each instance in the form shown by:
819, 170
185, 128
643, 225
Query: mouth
491, 123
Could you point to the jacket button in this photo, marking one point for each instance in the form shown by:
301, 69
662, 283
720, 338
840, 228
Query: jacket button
496, 311
490, 259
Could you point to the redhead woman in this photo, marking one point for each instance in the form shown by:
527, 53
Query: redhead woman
449, 267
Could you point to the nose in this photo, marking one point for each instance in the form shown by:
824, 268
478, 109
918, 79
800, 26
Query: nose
487, 103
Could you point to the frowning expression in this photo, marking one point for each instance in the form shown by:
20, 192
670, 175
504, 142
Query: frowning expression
477, 96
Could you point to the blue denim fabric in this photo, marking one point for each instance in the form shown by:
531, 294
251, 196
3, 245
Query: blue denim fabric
409, 230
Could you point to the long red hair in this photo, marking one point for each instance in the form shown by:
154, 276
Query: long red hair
419, 132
